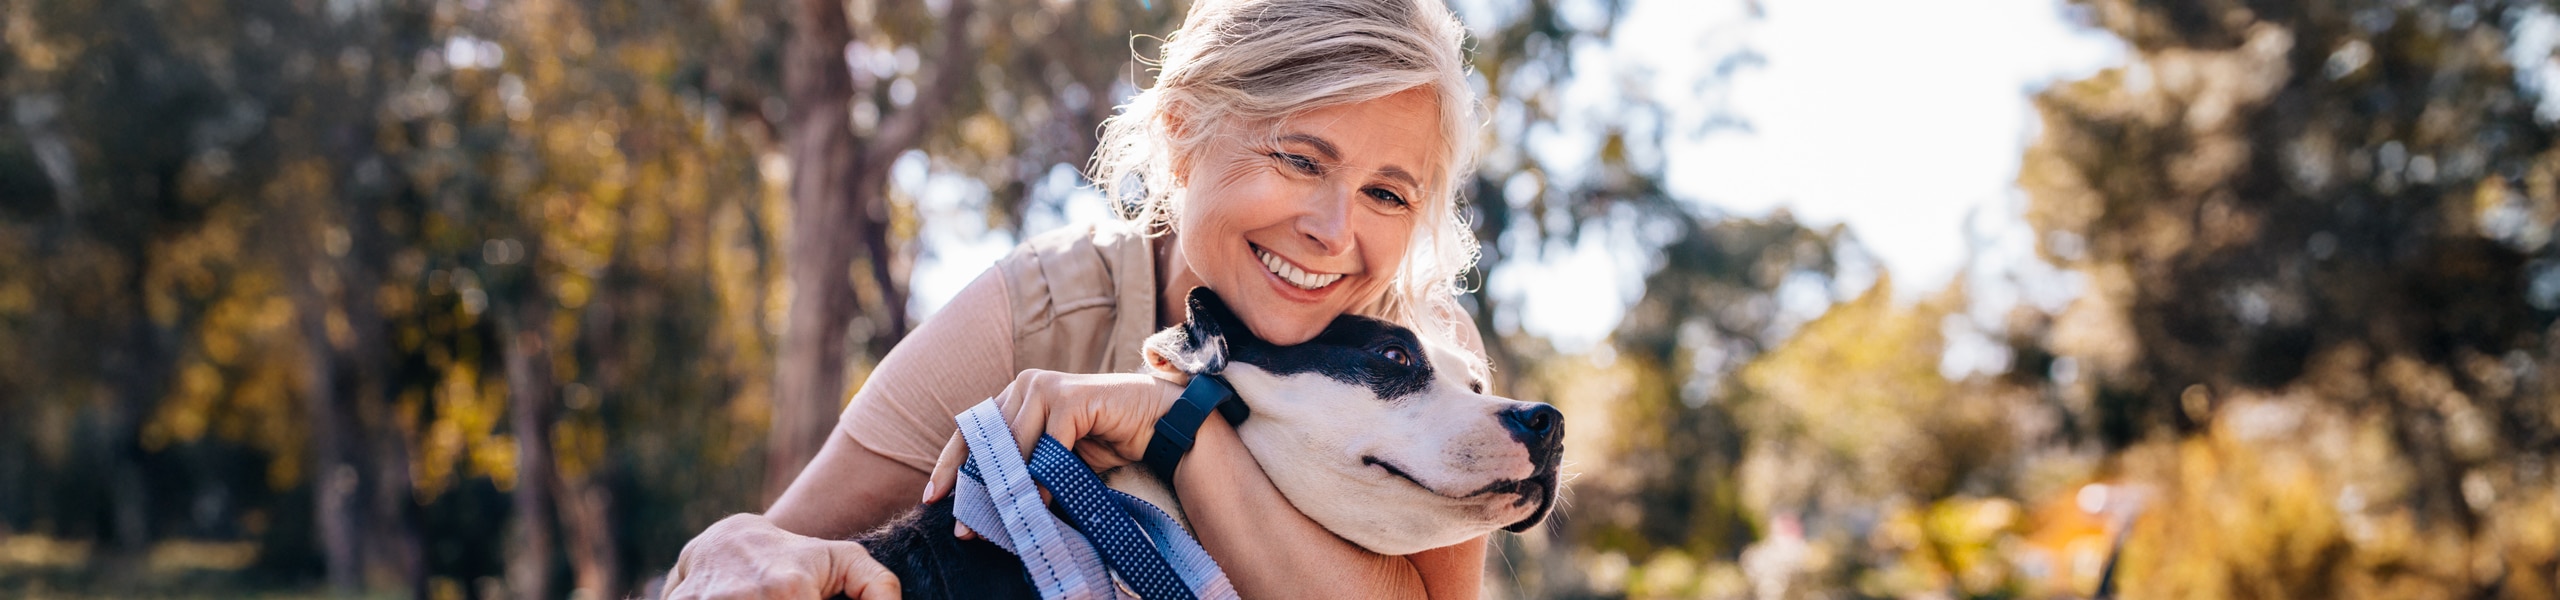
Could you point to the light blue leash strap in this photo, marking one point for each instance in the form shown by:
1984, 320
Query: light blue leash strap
1146, 547
996, 498
1198, 570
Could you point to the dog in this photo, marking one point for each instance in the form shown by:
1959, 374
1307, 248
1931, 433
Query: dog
1383, 438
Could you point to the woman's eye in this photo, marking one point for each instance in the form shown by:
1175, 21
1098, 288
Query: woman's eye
1397, 355
1301, 163
1389, 198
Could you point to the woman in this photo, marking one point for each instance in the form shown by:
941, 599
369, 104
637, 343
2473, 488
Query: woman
1299, 158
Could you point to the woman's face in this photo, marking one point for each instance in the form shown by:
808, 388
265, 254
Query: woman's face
1298, 228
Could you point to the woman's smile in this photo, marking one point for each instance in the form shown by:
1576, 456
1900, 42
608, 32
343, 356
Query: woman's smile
1289, 271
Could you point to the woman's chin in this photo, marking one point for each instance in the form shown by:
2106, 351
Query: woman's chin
1279, 327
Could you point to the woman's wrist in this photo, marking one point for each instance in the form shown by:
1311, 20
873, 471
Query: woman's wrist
1123, 412
1215, 449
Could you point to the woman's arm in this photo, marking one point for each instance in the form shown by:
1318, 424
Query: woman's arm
959, 357
1269, 549
874, 467
846, 490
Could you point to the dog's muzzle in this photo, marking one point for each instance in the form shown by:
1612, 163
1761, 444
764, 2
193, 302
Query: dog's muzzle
1540, 428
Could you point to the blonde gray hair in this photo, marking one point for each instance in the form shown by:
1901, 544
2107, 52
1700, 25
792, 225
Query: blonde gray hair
1259, 61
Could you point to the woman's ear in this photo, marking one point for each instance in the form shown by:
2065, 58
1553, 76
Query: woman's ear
1177, 128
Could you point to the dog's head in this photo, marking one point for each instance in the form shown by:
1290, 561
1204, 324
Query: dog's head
1387, 440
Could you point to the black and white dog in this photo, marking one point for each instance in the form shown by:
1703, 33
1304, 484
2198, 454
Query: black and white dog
1384, 439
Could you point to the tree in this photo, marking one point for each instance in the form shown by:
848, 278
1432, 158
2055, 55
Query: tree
839, 204
2337, 210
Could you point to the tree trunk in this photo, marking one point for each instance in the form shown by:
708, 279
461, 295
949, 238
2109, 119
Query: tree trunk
140, 369
364, 355
586, 519
811, 365
364, 507
839, 206
529, 389
336, 511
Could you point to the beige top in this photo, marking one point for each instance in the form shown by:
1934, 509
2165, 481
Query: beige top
1083, 300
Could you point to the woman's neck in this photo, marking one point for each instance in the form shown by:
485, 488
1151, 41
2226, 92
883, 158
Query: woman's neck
1174, 281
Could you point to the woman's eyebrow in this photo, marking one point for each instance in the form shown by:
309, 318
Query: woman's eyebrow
1397, 173
1331, 154
1334, 155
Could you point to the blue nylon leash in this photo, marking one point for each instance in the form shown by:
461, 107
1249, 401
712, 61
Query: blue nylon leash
1104, 527
995, 496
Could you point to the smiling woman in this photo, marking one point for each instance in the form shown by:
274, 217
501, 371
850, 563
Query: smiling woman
1277, 80
1299, 158
1309, 224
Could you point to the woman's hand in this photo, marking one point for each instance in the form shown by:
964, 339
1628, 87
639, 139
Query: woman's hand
1106, 418
746, 556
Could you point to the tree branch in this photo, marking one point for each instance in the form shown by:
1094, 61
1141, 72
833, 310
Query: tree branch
906, 128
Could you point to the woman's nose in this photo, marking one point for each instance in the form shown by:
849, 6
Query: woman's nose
1327, 222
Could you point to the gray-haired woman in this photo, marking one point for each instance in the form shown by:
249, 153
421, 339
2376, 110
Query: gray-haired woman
1298, 157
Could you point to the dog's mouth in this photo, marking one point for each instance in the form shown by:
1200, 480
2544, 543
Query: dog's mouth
1539, 487
1369, 461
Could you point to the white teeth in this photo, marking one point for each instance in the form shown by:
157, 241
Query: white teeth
1292, 274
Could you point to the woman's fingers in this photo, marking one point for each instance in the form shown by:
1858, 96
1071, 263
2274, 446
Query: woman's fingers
746, 556
946, 470
860, 577
1026, 408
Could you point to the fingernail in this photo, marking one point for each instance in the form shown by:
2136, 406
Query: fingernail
928, 492
959, 530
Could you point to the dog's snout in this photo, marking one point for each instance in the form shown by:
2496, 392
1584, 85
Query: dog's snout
1536, 425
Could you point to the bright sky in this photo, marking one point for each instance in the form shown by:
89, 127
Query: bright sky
1898, 118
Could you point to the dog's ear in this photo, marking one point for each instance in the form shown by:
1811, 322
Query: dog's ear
1197, 346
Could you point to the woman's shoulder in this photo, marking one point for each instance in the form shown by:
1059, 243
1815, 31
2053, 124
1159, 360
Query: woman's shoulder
1070, 267
1070, 287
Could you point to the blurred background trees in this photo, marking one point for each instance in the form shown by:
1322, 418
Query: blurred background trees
469, 298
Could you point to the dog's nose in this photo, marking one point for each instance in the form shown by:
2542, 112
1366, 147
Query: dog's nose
1536, 425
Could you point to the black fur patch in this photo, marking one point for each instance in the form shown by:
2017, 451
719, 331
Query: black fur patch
1353, 349
931, 564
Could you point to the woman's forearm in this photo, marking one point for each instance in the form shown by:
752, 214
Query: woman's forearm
1268, 548
846, 490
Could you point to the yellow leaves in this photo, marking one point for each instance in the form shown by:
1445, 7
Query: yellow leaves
237, 380
15, 298
646, 58
572, 292
563, 137
1959, 543
464, 433
25, 35
2286, 498
1861, 381
183, 416
578, 447
986, 135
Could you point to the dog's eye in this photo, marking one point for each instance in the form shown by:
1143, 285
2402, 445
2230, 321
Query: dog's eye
1397, 354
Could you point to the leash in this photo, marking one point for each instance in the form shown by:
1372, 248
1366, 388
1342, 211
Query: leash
1105, 532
